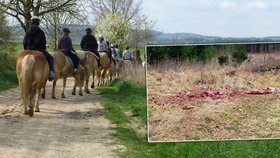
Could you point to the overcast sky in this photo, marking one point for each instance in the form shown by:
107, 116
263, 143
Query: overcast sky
226, 18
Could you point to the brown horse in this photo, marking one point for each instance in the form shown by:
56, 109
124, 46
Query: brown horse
91, 66
101, 72
63, 68
32, 72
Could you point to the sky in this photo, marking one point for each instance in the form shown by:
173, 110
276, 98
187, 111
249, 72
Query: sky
225, 18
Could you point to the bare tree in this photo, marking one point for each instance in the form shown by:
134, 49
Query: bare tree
22, 10
55, 21
142, 30
128, 8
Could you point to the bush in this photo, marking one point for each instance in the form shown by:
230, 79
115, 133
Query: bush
7, 57
199, 53
223, 60
239, 57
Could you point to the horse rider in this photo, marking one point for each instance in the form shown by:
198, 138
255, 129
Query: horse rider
117, 51
127, 54
35, 39
104, 47
137, 56
89, 43
65, 45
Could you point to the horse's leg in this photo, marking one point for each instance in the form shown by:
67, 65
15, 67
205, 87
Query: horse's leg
43, 95
74, 87
32, 102
53, 89
63, 88
93, 75
23, 98
38, 91
98, 77
80, 87
104, 76
87, 80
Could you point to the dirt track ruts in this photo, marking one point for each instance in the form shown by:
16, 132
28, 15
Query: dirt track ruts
66, 127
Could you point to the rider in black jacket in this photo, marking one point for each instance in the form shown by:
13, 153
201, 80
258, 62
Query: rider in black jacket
89, 43
35, 39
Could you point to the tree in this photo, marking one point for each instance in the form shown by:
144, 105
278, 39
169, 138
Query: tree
55, 21
7, 50
22, 10
139, 23
128, 8
115, 28
5, 33
142, 30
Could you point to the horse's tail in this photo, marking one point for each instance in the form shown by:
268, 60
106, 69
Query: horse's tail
26, 78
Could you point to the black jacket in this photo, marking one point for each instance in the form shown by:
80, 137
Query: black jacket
34, 39
89, 43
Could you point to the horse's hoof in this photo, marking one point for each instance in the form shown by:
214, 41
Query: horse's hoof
53, 97
30, 112
63, 96
73, 93
37, 110
43, 96
81, 94
88, 92
92, 87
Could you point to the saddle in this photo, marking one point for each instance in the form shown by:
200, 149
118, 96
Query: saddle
70, 61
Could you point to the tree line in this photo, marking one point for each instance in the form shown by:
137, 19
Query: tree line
223, 53
120, 21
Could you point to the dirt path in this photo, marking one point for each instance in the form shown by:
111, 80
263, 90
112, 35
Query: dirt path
70, 127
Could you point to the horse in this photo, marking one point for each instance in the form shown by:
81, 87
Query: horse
128, 68
63, 67
32, 71
114, 70
105, 65
91, 65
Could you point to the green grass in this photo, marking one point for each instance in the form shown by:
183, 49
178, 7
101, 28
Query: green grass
123, 96
18, 46
8, 80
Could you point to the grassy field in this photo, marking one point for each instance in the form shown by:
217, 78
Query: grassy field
125, 102
178, 112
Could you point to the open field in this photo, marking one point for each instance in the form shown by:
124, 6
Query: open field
209, 102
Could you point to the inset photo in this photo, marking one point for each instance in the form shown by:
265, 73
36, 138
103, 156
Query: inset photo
209, 92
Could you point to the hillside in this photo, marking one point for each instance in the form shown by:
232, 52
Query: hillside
77, 31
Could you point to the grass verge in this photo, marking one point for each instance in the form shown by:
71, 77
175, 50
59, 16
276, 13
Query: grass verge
122, 96
8, 80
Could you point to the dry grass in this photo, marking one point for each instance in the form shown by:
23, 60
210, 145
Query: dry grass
135, 74
241, 117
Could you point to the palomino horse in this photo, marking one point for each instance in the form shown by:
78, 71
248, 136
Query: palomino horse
91, 66
114, 70
32, 72
63, 68
101, 72
127, 68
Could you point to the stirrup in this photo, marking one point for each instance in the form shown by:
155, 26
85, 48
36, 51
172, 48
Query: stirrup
76, 71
